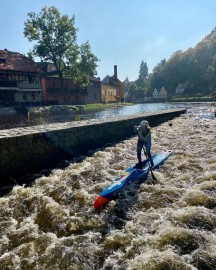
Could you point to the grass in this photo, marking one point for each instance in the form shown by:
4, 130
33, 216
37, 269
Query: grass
190, 99
101, 106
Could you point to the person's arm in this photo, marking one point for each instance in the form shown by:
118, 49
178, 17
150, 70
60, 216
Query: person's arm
140, 134
146, 137
135, 128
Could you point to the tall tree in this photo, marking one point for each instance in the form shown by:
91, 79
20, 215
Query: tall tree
56, 41
143, 72
143, 75
156, 78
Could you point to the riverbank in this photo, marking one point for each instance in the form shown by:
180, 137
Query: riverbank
169, 225
57, 109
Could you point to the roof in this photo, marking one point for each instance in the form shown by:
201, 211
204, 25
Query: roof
109, 80
93, 78
15, 61
46, 66
116, 80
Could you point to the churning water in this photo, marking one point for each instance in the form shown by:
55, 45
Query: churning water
166, 226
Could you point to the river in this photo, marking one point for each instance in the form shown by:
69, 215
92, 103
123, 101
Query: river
117, 111
61, 114
167, 226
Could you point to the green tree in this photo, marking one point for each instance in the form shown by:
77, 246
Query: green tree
88, 61
143, 72
143, 75
211, 75
133, 87
195, 68
56, 41
156, 78
82, 65
127, 85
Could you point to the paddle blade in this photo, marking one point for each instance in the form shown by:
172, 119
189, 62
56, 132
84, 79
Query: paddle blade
100, 201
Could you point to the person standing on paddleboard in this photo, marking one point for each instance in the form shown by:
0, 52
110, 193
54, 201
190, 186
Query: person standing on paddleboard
144, 140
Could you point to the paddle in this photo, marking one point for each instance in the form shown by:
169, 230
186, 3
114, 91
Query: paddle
153, 177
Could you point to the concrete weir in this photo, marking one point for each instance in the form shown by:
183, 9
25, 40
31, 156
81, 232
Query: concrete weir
30, 149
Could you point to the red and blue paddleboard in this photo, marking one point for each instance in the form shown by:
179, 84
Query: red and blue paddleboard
129, 176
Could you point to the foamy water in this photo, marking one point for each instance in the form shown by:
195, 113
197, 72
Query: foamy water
166, 226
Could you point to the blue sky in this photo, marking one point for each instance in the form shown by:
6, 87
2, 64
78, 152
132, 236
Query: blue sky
121, 32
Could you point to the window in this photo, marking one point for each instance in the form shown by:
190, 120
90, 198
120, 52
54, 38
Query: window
2, 61
24, 97
30, 79
32, 96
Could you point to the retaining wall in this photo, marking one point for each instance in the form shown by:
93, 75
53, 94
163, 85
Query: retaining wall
29, 150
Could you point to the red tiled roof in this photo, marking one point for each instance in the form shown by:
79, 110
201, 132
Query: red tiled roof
17, 62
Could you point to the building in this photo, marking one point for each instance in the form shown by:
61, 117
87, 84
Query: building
155, 94
108, 90
112, 89
120, 93
61, 91
64, 91
20, 80
163, 93
94, 94
179, 90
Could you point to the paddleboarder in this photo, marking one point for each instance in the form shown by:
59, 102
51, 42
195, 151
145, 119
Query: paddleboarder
144, 140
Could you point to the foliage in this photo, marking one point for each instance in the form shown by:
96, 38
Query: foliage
41, 121
101, 106
127, 85
194, 68
77, 118
56, 41
137, 89
133, 87
156, 79
143, 72
143, 75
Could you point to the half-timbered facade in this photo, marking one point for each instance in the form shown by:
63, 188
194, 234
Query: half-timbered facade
20, 80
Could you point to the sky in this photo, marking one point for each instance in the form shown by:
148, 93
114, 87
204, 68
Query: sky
120, 32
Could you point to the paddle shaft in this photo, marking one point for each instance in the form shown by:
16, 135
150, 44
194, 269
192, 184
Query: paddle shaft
153, 177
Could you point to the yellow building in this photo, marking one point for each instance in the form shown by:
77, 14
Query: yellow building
108, 92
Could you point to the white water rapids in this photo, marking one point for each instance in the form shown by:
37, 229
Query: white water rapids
167, 226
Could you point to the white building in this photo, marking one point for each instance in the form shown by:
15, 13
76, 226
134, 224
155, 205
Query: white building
155, 94
179, 90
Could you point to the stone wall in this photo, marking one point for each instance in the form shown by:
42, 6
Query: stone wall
27, 150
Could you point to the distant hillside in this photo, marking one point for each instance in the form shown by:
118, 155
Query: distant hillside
194, 68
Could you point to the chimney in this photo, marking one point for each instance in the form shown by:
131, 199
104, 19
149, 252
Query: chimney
115, 71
